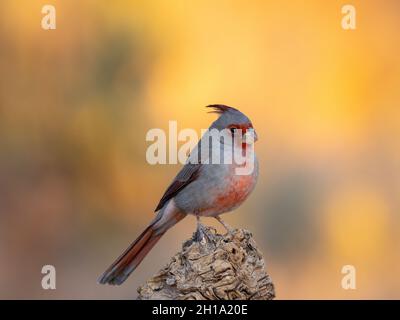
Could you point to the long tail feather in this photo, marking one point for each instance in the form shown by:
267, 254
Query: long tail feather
120, 270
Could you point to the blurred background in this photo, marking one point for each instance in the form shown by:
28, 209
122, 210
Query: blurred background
76, 104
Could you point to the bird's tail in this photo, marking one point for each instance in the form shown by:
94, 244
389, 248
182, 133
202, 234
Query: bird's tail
120, 270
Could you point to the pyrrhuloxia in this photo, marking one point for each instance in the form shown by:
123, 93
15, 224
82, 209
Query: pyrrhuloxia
202, 189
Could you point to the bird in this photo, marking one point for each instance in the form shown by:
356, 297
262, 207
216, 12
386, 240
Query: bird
201, 188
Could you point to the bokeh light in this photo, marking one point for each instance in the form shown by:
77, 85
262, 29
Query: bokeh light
76, 103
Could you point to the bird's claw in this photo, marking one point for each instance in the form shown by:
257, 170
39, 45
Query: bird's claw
200, 233
229, 230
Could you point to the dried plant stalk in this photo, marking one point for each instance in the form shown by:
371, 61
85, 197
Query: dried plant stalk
218, 267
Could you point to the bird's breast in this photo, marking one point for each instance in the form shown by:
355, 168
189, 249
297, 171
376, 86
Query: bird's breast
237, 189
229, 192
218, 189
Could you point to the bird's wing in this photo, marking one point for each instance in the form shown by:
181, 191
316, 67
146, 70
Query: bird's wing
188, 174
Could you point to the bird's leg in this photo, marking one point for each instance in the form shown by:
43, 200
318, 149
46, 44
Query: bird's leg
200, 230
226, 226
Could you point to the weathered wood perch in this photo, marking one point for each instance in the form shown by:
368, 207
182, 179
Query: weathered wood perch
218, 267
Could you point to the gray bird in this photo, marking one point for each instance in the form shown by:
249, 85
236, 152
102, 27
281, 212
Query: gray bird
202, 188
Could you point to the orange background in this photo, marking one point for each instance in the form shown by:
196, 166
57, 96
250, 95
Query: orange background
76, 104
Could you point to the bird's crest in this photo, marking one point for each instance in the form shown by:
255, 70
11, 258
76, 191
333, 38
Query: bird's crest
220, 108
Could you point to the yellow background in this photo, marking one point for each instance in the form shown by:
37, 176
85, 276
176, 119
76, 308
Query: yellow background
76, 103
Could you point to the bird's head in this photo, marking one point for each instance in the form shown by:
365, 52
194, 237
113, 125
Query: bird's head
235, 121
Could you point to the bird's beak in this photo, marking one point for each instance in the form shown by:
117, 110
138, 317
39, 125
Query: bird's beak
252, 136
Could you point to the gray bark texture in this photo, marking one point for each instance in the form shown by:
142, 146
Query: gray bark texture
218, 267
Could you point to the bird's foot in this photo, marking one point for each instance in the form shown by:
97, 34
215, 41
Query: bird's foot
200, 233
228, 229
